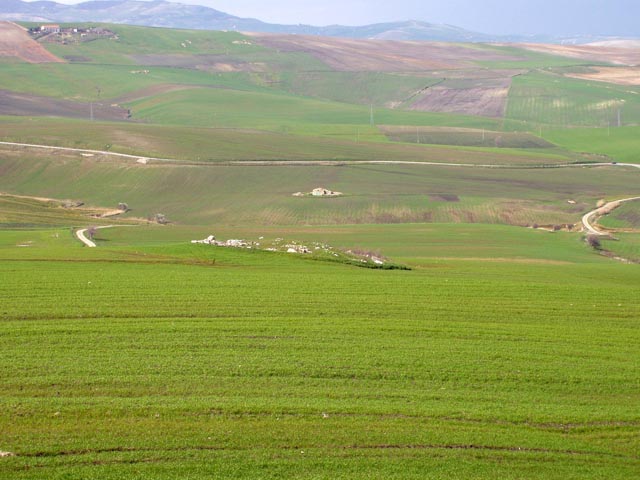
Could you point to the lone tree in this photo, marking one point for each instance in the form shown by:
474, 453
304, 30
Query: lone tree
594, 241
91, 231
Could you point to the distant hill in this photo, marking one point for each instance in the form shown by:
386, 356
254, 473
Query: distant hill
161, 13
174, 15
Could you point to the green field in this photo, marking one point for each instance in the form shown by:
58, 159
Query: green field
620, 144
550, 99
265, 365
625, 245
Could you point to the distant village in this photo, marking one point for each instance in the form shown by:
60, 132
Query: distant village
54, 33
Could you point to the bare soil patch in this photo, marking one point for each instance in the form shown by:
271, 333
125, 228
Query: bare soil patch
487, 101
352, 55
444, 197
481, 96
15, 42
21, 104
617, 75
207, 63
153, 91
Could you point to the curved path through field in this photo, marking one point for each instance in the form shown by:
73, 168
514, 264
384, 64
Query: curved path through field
589, 227
82, 237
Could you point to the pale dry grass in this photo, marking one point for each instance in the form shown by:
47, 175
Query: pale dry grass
618, 75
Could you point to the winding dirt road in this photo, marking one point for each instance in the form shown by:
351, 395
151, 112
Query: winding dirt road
589, 227
82, 237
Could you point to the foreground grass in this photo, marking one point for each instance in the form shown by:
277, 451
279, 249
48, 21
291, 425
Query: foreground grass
175, 361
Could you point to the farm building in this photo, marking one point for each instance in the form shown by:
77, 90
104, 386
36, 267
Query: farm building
52, 28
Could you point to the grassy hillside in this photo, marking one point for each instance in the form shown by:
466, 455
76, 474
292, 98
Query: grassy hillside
330, 142
621, 144
262, 195
221, 107
625, 216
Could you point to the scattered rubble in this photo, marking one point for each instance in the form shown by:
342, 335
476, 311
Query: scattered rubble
315, 249
7, 454
235, 243
159, 218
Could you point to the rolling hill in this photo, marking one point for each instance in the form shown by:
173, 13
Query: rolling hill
160, 13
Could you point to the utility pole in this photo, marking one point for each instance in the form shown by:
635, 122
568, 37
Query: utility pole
91, 111
371, 116
417, 135
619, 118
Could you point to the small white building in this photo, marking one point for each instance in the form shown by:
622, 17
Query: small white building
51, 28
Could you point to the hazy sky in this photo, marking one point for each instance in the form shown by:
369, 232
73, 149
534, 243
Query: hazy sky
610, 17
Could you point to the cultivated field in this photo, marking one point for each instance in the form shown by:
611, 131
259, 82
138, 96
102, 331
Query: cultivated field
449, 368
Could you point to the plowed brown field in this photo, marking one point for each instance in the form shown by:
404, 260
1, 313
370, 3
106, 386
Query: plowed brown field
350, 55
15, 42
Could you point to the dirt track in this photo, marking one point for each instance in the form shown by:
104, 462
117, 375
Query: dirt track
15, 42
